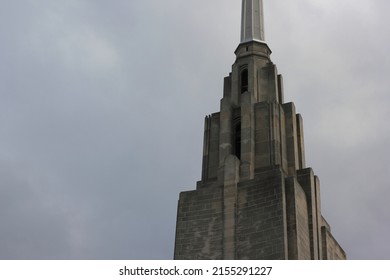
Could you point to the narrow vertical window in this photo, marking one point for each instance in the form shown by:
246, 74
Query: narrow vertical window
237, 141
244, 80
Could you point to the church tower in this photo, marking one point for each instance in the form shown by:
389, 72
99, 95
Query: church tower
256, 198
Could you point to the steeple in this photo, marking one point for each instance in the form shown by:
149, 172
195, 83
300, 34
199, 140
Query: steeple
252, 21
256, 199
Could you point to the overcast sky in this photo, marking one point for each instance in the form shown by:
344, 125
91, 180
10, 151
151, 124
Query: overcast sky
102, 107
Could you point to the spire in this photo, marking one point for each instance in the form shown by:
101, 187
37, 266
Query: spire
252, 22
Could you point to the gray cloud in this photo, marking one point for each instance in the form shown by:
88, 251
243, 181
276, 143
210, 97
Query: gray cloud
102, 107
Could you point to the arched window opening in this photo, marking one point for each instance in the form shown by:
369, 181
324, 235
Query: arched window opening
244, 80
237, 141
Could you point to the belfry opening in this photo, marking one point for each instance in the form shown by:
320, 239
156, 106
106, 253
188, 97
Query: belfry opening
244, 80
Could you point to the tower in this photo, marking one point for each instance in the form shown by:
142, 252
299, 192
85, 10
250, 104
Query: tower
256, 198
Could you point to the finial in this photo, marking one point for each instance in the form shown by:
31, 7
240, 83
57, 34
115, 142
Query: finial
252, 21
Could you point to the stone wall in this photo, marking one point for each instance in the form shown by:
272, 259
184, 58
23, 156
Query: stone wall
297, 221
199, 225
261, 225
307, 180
331, 250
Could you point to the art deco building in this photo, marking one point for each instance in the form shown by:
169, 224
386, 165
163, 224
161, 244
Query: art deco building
256, 199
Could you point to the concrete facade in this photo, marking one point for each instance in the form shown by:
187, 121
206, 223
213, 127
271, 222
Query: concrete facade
256, 198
